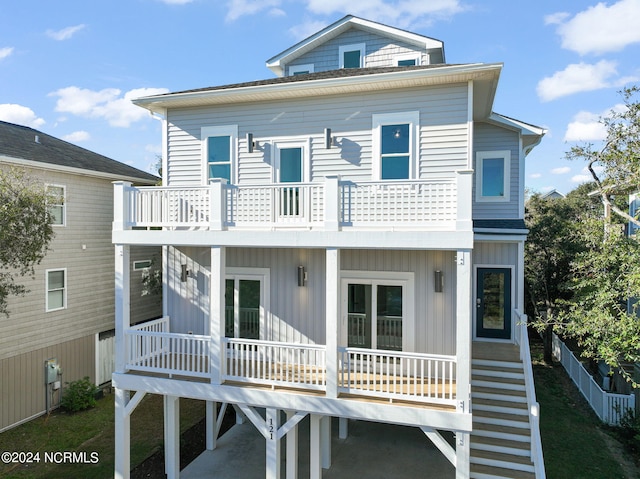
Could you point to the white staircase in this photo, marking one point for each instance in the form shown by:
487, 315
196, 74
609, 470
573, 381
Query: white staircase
501, 437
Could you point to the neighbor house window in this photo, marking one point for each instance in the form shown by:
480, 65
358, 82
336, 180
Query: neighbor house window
56, 287
300, 69
142, 264
352, 56
408, 59
56, 204
492, 175
394, 145
219, 151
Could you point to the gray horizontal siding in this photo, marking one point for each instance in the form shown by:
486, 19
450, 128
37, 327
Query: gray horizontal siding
491, 138
443, 134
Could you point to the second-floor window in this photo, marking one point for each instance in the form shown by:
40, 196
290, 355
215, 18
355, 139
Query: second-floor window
56, 204
219, 151
352, 56
492, 175
394, 138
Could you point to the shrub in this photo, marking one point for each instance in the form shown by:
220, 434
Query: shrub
79, 395
629, 430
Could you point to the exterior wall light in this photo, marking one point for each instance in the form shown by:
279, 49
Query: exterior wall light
438, 279
302, 276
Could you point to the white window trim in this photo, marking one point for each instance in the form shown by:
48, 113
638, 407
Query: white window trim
64, 290
278, 144
224, 130
406, 280
264, 276
506, 158
293, 69
64, 203
474, 315
409, 56
379, 120
350, 48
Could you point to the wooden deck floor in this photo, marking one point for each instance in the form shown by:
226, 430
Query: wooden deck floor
496, 351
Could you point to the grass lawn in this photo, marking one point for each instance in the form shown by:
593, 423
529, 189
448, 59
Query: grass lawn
91, 431
575, 443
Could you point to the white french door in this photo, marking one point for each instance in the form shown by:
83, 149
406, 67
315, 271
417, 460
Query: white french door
246, 304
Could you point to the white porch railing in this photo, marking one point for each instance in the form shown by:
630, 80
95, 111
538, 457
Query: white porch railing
398, 375
609, 407
443, 204
532, 404
274, 363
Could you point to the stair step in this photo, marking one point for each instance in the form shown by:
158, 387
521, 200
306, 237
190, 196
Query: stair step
501, 432
481, 471
500, 419
503, 405
488, 363
497, 373
481, 392
497, 383
515, 448
506, 461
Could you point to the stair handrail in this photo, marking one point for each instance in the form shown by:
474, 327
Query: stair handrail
532, 405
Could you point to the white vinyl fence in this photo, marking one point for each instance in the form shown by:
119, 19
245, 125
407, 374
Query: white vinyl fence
608, 407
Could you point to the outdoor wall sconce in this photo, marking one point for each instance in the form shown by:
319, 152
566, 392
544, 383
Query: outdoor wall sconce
250, 143
328, 139
302, 276
184, 273
438, 278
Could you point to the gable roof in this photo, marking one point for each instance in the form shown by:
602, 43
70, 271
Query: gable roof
276, 63
27, 146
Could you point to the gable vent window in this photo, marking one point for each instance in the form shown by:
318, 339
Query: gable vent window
352, 56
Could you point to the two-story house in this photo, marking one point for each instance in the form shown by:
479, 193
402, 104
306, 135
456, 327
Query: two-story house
343, 240
56, 332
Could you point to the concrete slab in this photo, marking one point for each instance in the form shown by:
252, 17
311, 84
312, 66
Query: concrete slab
372, 450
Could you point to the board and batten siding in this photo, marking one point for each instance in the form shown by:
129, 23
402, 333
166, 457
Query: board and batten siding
443, 142
22, 380
493, 138
498, 253
297, 314
380, 51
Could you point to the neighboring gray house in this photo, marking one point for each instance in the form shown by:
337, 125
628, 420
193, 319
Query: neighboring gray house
345, 240
68, 315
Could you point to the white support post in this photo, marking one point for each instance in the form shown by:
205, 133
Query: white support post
122, 304
217, 204
332, 203
463, 455
292, 449
325, 439
172, 437
332, 320
464, 182
273, 444
211, 424
315, 463
121, 218
343, 428
122, 436
216, 314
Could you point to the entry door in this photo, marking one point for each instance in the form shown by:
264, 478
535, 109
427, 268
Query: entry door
374, 316
290, 171
493, 303
243, 308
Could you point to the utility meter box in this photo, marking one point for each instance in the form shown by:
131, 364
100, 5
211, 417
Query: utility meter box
51, 370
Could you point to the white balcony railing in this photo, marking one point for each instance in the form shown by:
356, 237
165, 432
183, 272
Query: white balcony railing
443, 204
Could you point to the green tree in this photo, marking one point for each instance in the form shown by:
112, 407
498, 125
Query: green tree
25, 230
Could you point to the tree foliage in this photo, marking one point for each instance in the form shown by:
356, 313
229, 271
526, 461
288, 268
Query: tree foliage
25, 230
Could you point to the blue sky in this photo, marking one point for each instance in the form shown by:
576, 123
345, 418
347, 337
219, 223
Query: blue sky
69, 68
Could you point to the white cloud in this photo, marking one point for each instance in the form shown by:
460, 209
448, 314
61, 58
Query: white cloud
65, 33
305, 29
602, 28
535, 176
5, 52
586, 126
107, 104
556, 18
240, 8
562, 170
580, 77
579, 179
77, 136
20, 115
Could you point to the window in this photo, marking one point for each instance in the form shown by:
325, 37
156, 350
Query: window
492, 175
219, 151
56, 289
352, 56
394, 145
143, 264
56, 204
301, 69
408, 59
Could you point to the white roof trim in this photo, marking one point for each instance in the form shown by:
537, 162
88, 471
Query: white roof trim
278, 62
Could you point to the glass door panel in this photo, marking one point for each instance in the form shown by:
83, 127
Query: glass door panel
359, 316
493, 303
389, 318
290, 171
249, 309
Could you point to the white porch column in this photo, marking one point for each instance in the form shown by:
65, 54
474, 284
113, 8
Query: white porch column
216, 314
273, 444
464, 304
343, 427
332, 319
122, 436
292, 449
172, 436
464, 186
315, 463
217, 204
332, 203
122, 304
120, 205
211, 425
325, 440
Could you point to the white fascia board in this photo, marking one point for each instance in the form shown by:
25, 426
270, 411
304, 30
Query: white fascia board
40, 165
